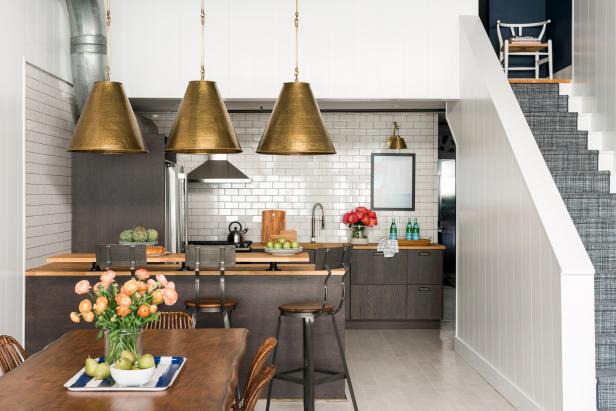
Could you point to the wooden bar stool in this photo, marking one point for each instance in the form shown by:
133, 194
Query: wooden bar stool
117, 255
219, 257
309, 312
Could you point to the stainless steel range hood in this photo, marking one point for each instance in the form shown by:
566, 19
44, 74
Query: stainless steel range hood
217, 169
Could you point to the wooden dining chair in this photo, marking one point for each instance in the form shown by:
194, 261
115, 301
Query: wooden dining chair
256, 366
253, 391
171, 320
12, 354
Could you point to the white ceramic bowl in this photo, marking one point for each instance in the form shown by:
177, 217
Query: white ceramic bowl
132, 378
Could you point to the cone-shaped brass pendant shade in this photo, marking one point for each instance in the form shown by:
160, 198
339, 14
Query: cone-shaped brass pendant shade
203, 124
296, 125
107, 124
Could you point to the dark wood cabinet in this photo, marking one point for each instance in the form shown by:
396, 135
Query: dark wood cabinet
424, 302
370, 267
424, 266
378, 302
401, 291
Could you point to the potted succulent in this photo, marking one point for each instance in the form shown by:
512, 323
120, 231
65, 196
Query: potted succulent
358, 221
121, 312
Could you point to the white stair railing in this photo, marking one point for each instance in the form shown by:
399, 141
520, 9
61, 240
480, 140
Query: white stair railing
525, 286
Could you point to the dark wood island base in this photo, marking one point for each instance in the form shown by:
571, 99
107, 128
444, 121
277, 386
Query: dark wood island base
50, 298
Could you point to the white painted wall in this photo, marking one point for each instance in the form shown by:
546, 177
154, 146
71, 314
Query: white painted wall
525, 296
349, 49
34, 31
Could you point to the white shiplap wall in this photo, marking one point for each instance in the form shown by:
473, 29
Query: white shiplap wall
294, 183
50, 117
35, 31
525, 290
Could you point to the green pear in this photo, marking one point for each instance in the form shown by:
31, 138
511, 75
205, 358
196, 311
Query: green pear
282, 240
129, 355
269, 244
91, 366
286, 245
102, 371
277, 245
146, 361
123, 363
294, 244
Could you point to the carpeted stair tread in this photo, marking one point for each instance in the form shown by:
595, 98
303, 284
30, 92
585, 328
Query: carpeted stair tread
535, 88
571, 159
530, 103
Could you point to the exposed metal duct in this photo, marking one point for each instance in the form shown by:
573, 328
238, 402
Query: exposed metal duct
88, 45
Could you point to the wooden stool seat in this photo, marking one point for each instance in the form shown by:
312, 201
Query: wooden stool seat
305, 308
211, 302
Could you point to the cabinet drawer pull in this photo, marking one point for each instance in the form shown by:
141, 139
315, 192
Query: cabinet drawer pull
424, 253
378, 253
425, 288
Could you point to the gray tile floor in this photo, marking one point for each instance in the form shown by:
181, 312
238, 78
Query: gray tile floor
415, 370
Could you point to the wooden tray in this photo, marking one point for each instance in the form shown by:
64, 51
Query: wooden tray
421, 242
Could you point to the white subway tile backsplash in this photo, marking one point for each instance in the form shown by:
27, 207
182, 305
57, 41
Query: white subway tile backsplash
294, 183
49, 123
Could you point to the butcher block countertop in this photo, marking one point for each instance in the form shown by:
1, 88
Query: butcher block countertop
371, 246
248, 257
82, 270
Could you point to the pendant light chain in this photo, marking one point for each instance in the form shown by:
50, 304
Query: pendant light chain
296, 21
202, 40
108, 25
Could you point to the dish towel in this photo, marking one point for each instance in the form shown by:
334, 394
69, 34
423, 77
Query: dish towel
389, 248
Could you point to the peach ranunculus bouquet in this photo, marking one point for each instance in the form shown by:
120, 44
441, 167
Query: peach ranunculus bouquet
121, 312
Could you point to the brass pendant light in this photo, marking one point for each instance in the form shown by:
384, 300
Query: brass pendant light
202, 124
107, 124
395, 142
296, 125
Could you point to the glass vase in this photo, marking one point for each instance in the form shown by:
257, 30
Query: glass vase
117, 341
359, 234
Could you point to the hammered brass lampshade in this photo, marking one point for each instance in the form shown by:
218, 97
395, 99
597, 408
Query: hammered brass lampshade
107, 124
296, 125
203, 124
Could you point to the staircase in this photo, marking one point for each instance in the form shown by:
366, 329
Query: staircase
586, 192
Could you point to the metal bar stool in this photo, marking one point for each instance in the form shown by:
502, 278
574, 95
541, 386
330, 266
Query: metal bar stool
309, 312
116, 255
219, 257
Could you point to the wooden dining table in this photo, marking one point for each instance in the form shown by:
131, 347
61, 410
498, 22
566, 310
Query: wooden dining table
207, 381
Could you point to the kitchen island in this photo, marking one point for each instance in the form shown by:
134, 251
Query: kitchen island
50, 298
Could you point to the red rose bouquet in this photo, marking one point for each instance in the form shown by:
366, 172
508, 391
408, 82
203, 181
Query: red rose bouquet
358, 220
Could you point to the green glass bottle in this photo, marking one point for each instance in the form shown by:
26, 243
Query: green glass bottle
416, 230
393, 231
409, 231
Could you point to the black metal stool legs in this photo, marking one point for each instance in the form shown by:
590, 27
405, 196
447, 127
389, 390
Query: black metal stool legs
346, 368
308, 365
269, 389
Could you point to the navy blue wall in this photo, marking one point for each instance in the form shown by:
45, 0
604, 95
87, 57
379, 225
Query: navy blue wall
526, 11
560, 31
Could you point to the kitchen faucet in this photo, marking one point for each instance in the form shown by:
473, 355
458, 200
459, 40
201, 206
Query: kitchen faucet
314, 220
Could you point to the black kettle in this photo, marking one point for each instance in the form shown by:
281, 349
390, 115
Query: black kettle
236, 235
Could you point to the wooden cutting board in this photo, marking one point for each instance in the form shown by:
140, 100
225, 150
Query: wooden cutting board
290, 235
272, 222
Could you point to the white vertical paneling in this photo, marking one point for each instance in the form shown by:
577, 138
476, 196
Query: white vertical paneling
594, 67
50, 111
525, 282
35, 31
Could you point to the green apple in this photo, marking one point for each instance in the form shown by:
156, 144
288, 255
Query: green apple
277, 245
123, 363
269, 244
146, 361
282, 240
294, 244
91, 367
286, 245
129, 355
102, 371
